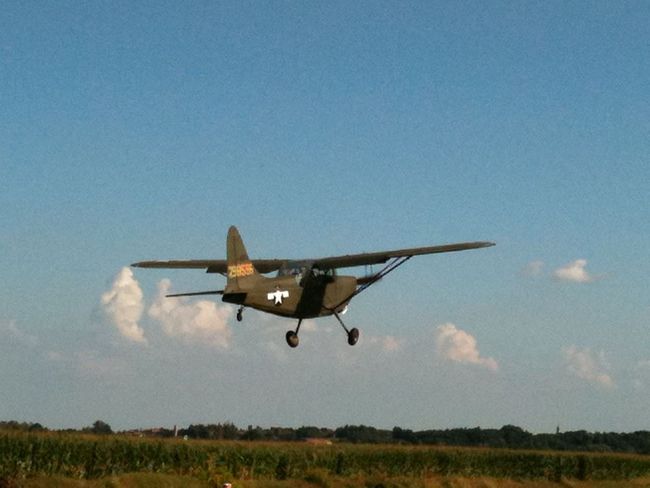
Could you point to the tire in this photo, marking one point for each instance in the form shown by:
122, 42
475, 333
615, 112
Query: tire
292, 339
353, 336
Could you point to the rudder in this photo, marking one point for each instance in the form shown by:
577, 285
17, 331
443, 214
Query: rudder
239, 265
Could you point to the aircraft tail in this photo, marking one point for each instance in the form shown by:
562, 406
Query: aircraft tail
240, 267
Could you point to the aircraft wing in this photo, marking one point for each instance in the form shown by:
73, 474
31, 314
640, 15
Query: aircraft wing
210, 265
346, 261
351, 260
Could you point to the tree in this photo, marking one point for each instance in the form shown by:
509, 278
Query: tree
99, 427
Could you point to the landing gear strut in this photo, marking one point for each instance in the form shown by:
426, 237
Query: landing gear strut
353, 334
240, 310
292, 337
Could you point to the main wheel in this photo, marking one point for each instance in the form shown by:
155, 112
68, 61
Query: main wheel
353, 336
292, 338
239, 315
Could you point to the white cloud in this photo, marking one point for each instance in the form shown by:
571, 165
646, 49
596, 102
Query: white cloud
459, 346
123, 305
574, 272
534, 268
10, 330
200, 322
588, 366
387, 343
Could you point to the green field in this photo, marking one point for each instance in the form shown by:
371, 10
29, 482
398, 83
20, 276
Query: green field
56, 459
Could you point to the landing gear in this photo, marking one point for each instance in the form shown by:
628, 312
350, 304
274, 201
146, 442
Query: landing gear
240, 310
292, 336
353, 334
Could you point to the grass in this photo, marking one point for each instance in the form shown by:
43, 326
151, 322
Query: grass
73, 460
150, 480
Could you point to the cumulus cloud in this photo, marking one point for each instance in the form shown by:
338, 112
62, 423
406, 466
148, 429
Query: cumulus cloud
123, 305
574, 272
11, 331
457, 345
387, 343
200, 322
534, 269
587, 365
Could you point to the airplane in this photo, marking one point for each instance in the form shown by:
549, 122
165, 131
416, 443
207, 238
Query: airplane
302, 289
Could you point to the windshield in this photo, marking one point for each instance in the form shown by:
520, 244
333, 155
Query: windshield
294, 268
299, 268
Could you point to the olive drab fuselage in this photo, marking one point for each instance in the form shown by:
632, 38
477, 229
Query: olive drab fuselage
298, 291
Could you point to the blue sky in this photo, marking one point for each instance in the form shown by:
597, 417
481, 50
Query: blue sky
133, 132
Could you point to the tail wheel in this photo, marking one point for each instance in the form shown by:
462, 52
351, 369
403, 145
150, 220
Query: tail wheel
292, 338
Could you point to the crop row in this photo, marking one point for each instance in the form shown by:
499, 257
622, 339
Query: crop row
23, 455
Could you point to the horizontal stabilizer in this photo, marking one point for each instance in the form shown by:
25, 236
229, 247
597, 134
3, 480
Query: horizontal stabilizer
196, 293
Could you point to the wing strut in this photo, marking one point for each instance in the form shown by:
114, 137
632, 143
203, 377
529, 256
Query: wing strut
391, 266
353, 334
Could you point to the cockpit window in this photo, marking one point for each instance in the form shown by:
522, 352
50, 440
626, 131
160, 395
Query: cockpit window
297, 268
293, 269
316, 271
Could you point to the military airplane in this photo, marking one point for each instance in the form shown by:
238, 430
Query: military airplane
302, 289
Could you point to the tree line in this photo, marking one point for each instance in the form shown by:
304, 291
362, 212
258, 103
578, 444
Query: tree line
508, 436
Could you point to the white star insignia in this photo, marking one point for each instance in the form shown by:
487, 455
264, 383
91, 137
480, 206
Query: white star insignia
277, 296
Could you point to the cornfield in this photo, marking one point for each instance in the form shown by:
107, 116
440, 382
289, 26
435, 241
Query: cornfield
88, 457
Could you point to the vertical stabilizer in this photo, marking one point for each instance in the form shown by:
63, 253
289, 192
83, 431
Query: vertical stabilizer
240, 266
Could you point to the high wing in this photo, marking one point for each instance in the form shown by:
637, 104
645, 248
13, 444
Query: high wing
394, 260
346, 261
211, 265
351, 260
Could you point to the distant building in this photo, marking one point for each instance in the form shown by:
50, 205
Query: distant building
318, 441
